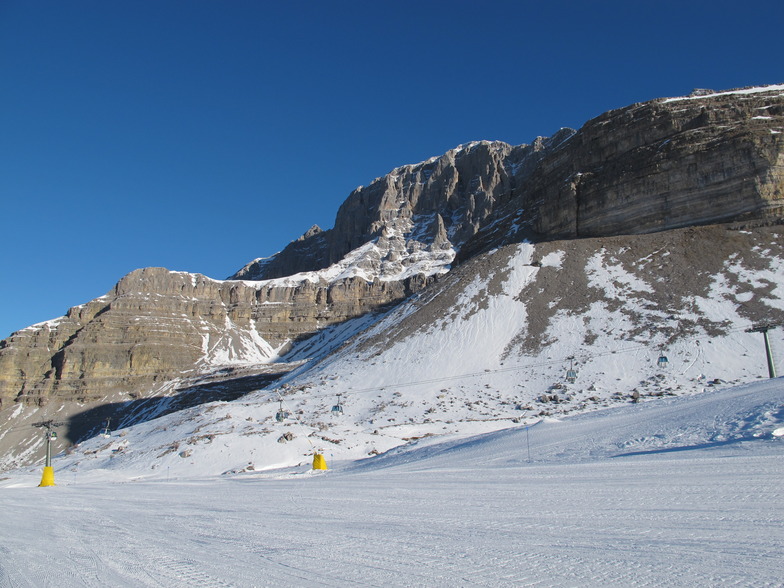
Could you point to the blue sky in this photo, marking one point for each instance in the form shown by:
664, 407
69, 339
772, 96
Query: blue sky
198, 135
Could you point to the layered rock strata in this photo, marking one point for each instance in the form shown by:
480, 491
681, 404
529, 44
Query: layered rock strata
156, 325
438, 204
665, 164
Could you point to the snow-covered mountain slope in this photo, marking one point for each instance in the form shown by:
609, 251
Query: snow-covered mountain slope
490, 346
678, 492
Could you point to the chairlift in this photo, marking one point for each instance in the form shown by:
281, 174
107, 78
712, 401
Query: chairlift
282, 414
662, 362
571, 373
337, 410
106, 433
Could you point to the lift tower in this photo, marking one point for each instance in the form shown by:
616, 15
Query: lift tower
764, 330
48, 477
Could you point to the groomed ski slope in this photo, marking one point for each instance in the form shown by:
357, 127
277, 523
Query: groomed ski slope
683, 491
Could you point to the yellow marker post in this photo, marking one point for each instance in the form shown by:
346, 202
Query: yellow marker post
48, 478
319, 463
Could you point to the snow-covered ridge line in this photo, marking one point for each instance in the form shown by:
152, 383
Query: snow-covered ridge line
426, 265
51, 323
752, 90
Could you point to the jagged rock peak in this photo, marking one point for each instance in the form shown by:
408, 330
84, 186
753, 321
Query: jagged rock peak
314, 230
461, 188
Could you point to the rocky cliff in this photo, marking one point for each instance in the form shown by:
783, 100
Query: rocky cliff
668, 163
432, 206
665, 164
156, 325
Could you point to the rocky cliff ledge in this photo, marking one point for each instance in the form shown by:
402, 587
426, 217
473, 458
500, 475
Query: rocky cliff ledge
156, 325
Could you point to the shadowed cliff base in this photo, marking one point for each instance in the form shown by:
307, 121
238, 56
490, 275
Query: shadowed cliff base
219, 387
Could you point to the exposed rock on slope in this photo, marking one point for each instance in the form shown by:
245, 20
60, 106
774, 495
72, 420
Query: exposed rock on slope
491, 341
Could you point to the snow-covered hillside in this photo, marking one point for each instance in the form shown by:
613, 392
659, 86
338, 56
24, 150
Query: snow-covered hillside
678, 492
487, 348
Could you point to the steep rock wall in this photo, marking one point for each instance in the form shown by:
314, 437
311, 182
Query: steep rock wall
444, 200
665, 164
156, 325
659, 165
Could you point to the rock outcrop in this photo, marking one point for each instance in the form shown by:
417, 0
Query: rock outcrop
156, 325
664, 164
438, 204
667, 164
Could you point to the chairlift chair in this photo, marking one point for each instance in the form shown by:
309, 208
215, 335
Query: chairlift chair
338, 408
662, 362
281, 415
571, 373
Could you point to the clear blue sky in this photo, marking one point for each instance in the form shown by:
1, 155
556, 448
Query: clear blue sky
198, 135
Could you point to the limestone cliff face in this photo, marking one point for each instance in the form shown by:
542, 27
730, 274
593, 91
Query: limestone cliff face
156, 325
663, 164
649, 167
667, 164
440, 203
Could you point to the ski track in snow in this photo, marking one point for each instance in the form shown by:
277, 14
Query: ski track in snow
679, 492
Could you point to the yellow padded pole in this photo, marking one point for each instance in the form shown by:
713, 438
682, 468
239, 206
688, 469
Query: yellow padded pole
48, 478
319, 463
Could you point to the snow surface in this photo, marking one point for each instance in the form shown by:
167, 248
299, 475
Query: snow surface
235, 346
678, 492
